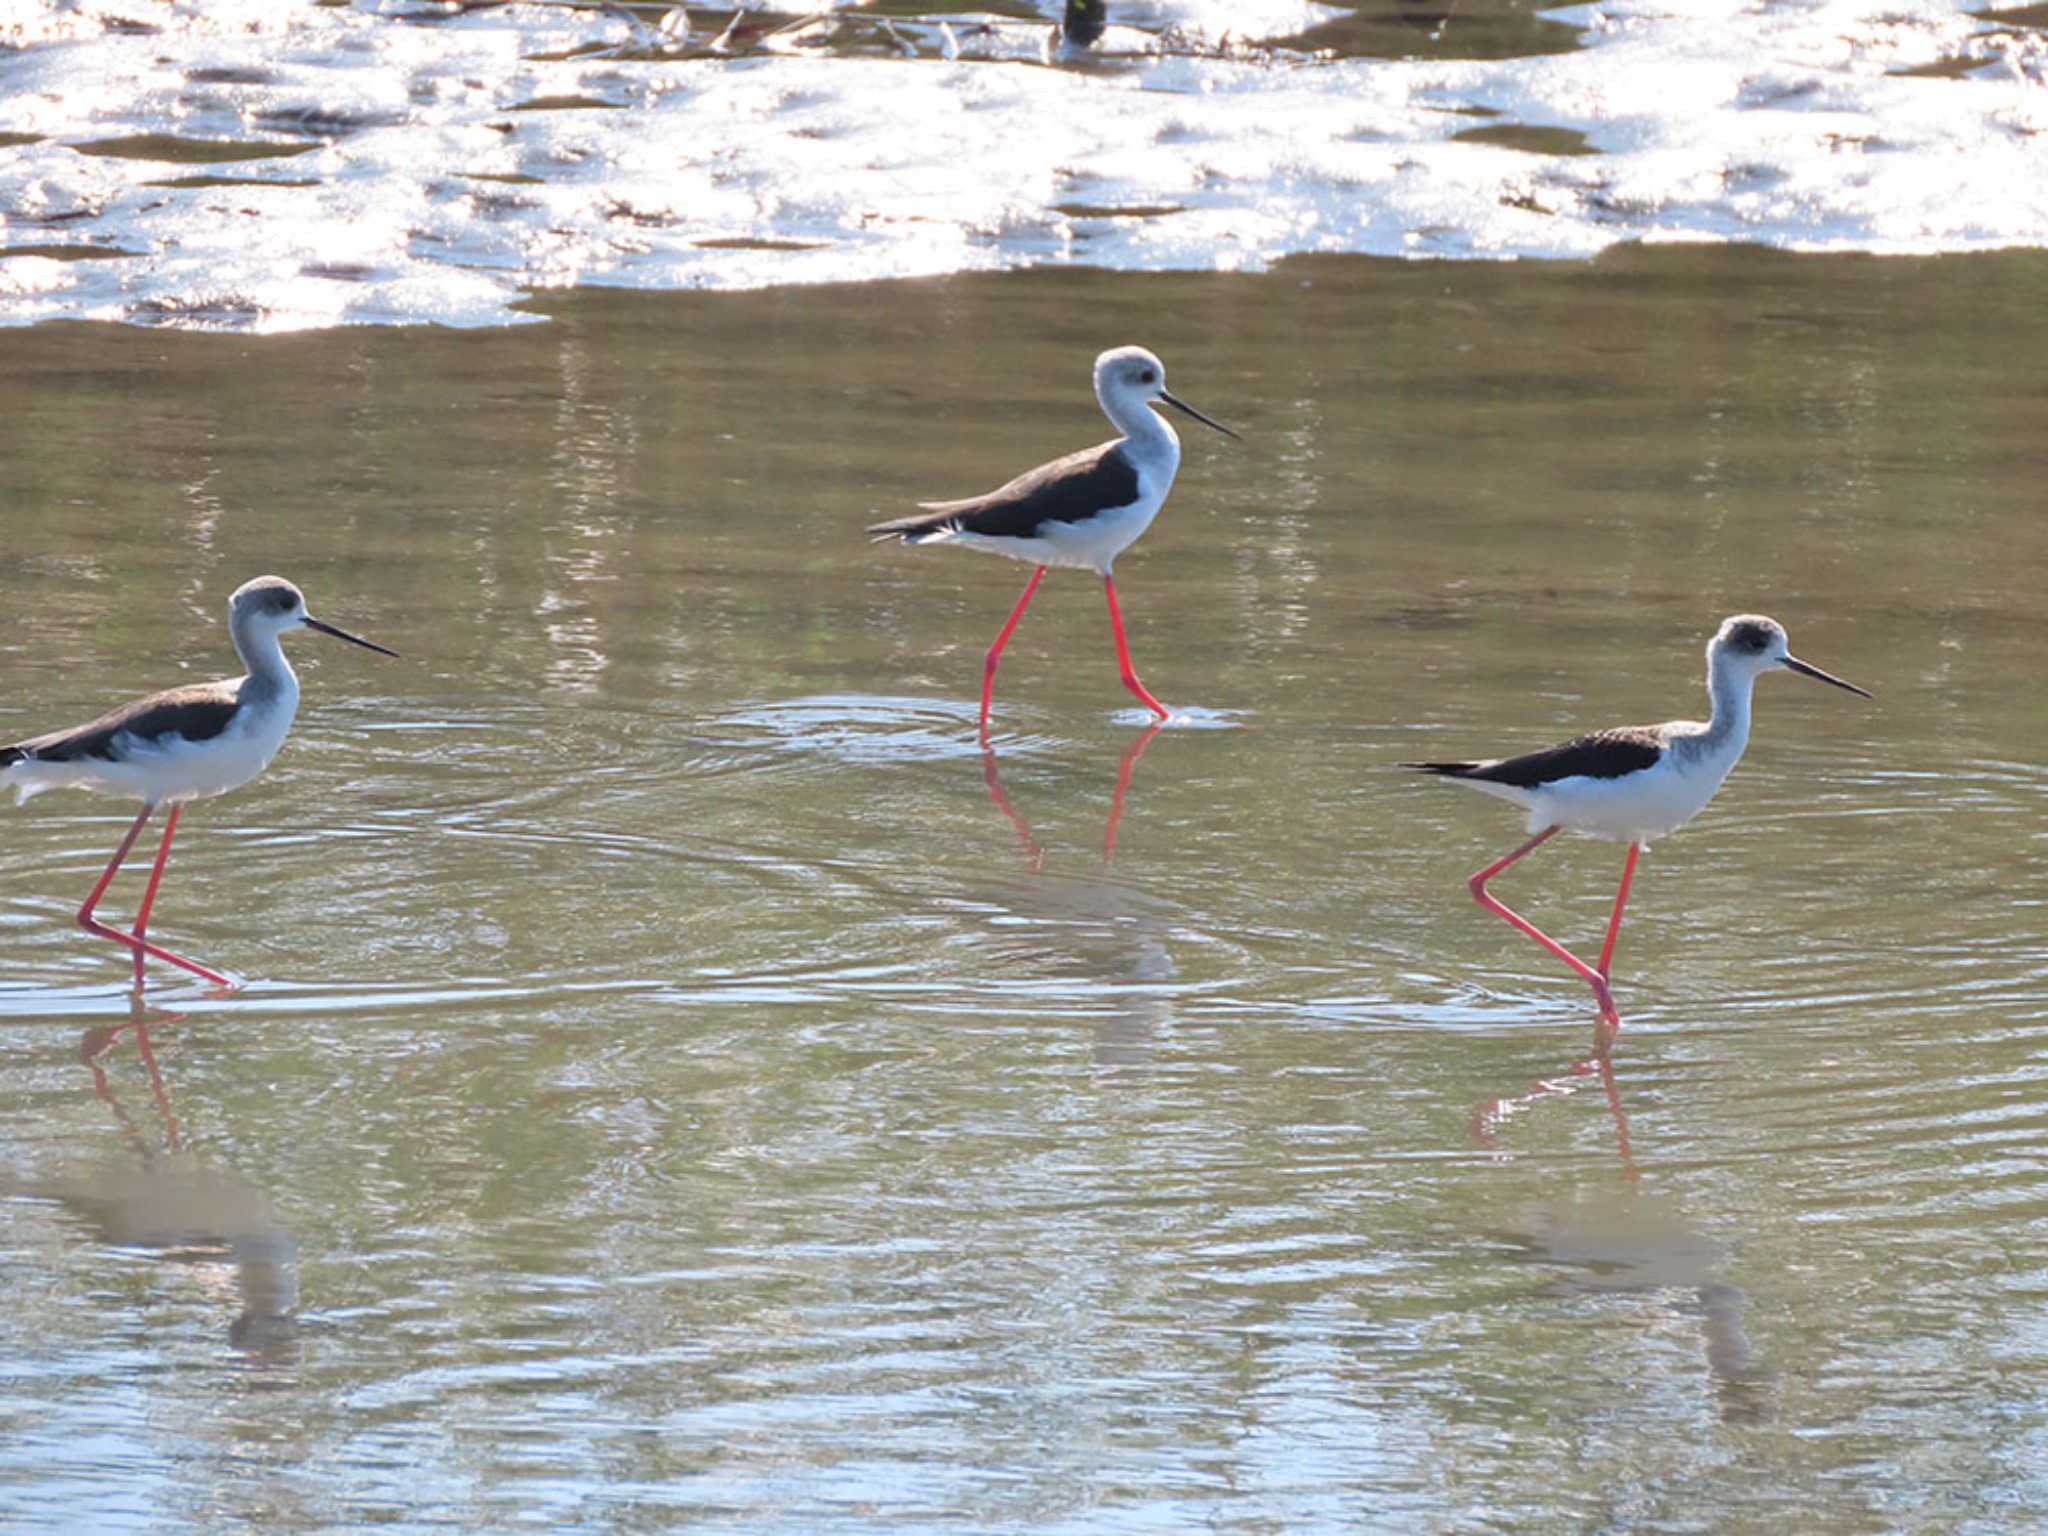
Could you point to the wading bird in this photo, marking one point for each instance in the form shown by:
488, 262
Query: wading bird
1634, 783
182, 744
1082, 510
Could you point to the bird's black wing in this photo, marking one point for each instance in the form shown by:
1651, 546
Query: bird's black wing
197, 712
1068, 490
1596, 755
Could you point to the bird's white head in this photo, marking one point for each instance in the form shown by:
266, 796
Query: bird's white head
1130, 373
269, 604
1750, 644
1127, 377
263, 609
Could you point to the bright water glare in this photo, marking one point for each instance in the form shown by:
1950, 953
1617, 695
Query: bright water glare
248, 164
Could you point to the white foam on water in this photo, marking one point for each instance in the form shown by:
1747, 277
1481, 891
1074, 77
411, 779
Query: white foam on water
452, 165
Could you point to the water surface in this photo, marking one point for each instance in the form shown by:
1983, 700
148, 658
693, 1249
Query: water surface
679, 1077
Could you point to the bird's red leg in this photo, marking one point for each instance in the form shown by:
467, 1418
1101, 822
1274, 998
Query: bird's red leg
995, 652
135, 941
85, 917
1628, 872
1477, 885
1123, 651
156, 875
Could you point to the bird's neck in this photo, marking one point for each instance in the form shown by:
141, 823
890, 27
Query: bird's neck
270, 674
1728, 689
1145, 431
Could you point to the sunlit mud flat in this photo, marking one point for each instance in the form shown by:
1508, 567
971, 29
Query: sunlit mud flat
263, 166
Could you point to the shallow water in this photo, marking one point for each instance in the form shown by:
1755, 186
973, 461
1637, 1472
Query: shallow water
679, 1077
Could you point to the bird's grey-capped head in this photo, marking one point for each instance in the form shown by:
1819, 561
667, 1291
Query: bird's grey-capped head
1134, 374
268, 602
271, 605
1757, 644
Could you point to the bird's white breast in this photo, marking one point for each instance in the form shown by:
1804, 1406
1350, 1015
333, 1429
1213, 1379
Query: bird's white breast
170, 769
229, 760
1636, 807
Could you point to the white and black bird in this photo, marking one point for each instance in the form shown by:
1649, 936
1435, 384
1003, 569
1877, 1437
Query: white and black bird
182, 744
1082, 510
1634, 783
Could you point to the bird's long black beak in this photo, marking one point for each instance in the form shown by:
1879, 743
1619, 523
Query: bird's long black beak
371, 645
1827, 677
1181, 405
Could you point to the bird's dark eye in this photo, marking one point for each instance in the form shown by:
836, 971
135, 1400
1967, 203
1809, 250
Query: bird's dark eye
1148, 377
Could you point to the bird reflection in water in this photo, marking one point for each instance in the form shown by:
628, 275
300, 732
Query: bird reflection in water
171, 1203
1490, 1115
1115, 934
1034, 855
1624, 1242
93, 1046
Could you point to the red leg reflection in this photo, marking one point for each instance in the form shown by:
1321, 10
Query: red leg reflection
99, 1040
1034, 856
1124, 770
1490, 1115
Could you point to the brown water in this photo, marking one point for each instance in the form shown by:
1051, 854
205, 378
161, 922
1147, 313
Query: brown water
671, 1086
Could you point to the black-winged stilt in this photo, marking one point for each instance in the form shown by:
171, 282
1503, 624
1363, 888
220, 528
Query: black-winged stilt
1082, 510
1634, 783
182, 744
